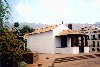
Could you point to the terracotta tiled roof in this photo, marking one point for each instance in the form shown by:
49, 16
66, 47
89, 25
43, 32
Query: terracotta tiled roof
46, 29
42, 30
69, 31
26, 35
49, 28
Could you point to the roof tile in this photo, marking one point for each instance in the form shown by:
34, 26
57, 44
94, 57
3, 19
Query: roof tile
46, 29
69, 31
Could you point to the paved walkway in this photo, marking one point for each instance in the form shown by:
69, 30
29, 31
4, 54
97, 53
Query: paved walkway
68, 60
80, 63
93, 61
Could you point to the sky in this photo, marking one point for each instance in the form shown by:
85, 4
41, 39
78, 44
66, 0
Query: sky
55, 11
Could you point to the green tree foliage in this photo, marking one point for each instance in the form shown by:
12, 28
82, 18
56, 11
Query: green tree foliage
26, 29
11, 48
4, 13
4, 10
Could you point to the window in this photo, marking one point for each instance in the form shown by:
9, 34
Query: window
97, 43
93, 44
63, 41
93, 49
98, 36
94, 37
98, 49
82, 28
95, 31
88, 38
99, 31
86, 32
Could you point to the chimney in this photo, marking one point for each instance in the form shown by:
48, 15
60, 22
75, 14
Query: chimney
70, 26
62, 22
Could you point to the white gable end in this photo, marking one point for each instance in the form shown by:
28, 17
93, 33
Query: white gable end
59, 29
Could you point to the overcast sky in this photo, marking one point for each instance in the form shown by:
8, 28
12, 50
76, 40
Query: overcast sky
55, 11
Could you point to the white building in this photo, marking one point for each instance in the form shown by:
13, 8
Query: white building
57, 39
94, 37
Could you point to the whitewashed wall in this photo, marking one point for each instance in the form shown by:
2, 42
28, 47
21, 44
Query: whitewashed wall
86, 49
47, 42
42, 42
59, 29
57, 41
68, 50
56, 31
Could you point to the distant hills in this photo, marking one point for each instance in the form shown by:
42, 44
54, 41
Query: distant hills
97, 24
32, 25
76, 26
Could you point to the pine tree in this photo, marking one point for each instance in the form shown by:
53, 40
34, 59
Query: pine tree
26, 29
11, 48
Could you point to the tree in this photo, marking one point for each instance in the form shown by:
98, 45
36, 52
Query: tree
4, 13
16, 24
26, 29
11, 48
4, 10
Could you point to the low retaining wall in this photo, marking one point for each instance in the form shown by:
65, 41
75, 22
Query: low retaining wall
68, 50
86, 49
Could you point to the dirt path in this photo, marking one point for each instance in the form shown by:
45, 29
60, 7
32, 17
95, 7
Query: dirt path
46, 60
